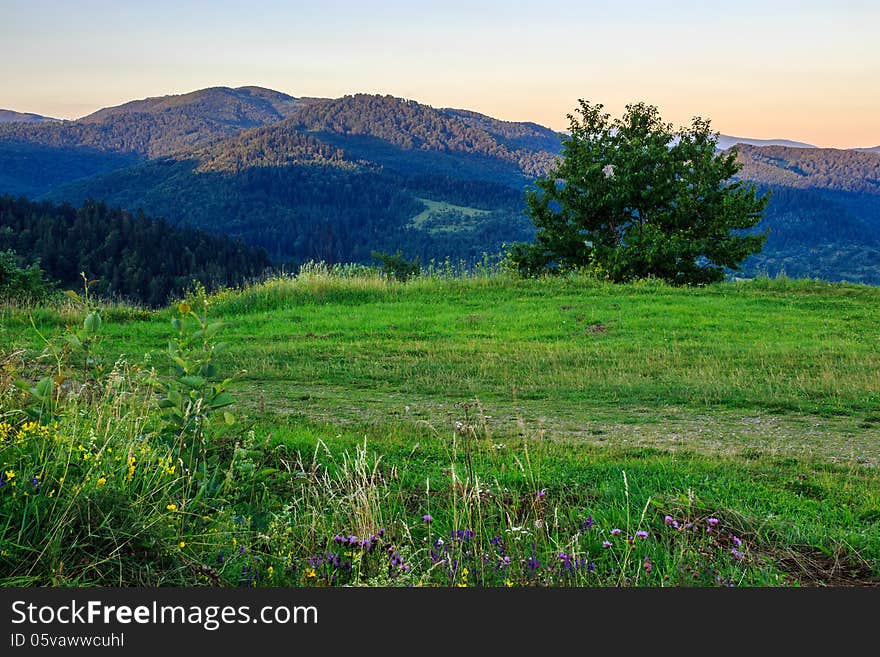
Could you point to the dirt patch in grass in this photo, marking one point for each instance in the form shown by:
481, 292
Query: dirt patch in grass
811, 567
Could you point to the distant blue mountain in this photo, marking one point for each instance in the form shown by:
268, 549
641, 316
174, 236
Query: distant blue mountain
10, 116
726, 141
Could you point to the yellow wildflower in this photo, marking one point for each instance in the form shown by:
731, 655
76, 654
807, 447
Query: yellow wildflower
171, 507
10, 475
310, 572
101, 481
271, 570
182, 544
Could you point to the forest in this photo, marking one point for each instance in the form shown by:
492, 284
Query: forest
131, 255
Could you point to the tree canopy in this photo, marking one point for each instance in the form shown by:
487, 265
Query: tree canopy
634, 197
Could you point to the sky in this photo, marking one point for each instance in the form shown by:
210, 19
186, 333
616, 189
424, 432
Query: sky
804, 70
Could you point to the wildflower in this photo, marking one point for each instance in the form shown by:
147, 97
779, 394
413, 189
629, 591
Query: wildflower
542, 493
427, 519
647, 565
616, 532
101, 481
588, 523
712, 522
35, 482
2, 480
737, 541
668, 520
508, 583
606, 544
182, 544
270, 570
310, 572
10, 475
641, 534
533, 563
736, 553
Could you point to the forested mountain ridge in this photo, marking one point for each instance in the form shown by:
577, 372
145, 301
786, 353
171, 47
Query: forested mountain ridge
826, 168
160, 126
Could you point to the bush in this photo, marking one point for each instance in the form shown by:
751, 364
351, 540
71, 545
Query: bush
22, 284
396, 267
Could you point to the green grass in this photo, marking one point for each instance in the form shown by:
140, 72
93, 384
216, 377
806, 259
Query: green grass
436, 215
758, 402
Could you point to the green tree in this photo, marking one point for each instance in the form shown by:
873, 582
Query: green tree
633, 197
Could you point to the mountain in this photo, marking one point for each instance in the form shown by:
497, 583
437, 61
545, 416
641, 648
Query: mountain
875, 149
726, 141
37, 157
335, 179
339, 178
159, 126
10, 116
824, 214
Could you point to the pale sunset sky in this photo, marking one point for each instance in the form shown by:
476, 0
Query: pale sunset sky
804, 70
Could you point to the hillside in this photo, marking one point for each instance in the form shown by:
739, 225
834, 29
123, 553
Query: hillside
130, 255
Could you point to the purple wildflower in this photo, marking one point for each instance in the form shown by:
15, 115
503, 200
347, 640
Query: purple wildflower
737, 541
427, 519
647, 565
668, 520
712, 522
588, 523
641, 534
606, 544
616, 532
533, 563
338, 539
542, 493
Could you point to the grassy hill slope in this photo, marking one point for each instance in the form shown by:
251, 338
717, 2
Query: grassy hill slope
532, 406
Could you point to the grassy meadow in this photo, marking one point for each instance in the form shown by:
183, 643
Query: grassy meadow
339, 428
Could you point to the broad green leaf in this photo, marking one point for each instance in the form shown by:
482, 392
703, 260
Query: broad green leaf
44, 388
221, 400
192, 381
